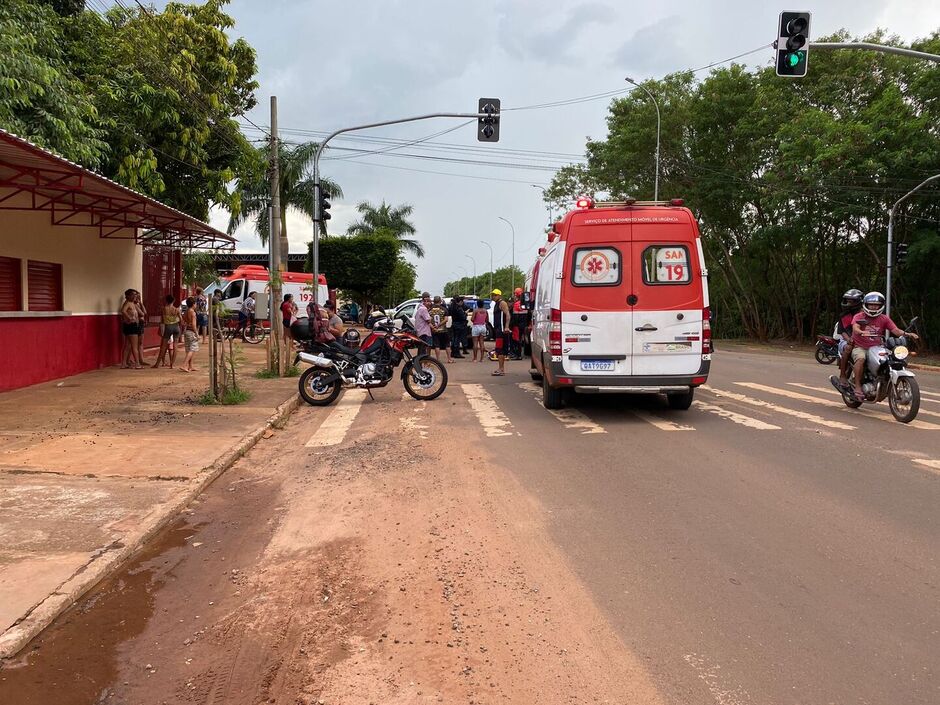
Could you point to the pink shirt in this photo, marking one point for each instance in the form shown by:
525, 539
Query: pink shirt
873, 329
422, 320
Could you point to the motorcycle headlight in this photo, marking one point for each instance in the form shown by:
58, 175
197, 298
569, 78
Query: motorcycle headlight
901, 352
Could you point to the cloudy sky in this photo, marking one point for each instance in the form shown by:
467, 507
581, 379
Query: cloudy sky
337, 64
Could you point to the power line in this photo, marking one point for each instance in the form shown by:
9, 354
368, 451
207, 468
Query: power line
407, 144
445, 173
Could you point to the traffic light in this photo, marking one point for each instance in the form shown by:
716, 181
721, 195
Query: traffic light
793, 44
325, 197
900, 253
488, 127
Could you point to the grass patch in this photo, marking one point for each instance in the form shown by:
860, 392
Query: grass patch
232, 396
293, 371
266, 373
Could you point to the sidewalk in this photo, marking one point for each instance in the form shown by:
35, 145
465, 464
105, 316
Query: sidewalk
93, 465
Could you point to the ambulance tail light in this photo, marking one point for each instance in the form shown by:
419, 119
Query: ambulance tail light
706, 330
554, 333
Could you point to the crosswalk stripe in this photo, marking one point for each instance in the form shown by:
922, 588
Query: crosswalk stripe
571, 418
812, 418
930, 394
733, 416
932, 465
659, 422
829, 403
491, 418
832, 391
333, 429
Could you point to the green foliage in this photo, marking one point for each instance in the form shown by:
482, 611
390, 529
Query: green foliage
791, 181
401, 284
253, 189
199, 269
40, 98
395, 220
229, 398
362, 264
503, 280
267, 373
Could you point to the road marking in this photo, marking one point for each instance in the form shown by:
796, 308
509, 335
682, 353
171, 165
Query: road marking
733, 416
829, 403
333, 429
491, 418
716, 681
659, 422
930, 394
571, 418
413, 423
932, 465
779, 409
832, 391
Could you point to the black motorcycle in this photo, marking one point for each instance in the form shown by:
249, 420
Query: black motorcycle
827, 349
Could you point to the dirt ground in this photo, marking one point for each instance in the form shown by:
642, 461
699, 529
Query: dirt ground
408, 568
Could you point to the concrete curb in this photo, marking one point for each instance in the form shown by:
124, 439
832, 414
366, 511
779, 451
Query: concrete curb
109, 558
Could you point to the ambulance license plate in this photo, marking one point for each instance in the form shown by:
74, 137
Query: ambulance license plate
597, 365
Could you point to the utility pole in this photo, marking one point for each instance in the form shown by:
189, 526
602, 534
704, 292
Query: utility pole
474, 273
276, 256
656, 105
513, 270
547, 204
894, 209
491, 266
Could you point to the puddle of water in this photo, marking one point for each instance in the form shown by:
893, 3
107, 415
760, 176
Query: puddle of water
75, 661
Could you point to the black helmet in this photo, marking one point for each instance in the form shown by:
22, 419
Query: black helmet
852, 300
874, 303
351, 338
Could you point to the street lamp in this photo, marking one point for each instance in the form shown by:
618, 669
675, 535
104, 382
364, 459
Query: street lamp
652, 98
891, 236
491, 266
474, 273
547, 204
513, 274
466, 274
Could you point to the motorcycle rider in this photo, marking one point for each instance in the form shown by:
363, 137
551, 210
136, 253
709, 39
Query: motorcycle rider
868, 329
851, 305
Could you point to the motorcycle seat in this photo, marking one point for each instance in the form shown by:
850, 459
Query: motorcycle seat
340, 348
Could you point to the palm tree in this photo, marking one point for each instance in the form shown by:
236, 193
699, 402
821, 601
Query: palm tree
385, 217
253, 191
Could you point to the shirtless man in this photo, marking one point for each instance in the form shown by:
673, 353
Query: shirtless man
130, 327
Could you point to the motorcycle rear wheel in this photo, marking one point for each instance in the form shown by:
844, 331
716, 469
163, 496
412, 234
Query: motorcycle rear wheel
904, 399
314, 391
823, 357
427, 382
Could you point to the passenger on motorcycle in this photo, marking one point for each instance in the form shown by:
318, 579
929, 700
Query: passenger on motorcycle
851, 305
868, 329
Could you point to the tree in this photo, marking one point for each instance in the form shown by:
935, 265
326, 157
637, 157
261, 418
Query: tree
40, 99
362, 264
401, 284
253, 189
199, 269
502, 280
385, 217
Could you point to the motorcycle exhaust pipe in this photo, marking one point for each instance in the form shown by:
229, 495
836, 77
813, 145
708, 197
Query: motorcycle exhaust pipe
317, 360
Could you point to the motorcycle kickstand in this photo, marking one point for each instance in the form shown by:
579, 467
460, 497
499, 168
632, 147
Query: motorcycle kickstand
370, 394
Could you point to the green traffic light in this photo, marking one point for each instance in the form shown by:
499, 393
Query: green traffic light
794, 58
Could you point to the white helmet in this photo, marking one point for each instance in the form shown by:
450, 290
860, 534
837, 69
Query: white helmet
874, 303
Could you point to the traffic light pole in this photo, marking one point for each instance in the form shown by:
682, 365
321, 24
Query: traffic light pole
316, 169
876, 47
894, 209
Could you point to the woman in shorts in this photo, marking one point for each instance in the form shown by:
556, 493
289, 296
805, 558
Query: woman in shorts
478, 322
190, 324
170, 316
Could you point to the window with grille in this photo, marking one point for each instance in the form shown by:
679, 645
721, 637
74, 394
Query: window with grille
11, 285
44, 284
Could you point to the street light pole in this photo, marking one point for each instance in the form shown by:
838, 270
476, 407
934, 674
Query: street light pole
491, 265
547, 204
652, 98
513, 271
466, 274
474, 273
891, 236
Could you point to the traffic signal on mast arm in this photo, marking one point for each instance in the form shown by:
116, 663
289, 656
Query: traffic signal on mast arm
488, 126
793, 44
900, 253
325, 197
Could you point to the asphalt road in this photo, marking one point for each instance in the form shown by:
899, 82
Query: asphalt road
785, 561
768, 546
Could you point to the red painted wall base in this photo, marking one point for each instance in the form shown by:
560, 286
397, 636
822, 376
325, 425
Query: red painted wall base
34, 350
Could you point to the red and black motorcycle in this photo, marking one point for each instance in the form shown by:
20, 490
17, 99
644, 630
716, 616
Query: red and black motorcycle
335, 365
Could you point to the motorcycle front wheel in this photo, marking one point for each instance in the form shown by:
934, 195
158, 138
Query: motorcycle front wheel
824, 357
314, 390
904, 399
425, 379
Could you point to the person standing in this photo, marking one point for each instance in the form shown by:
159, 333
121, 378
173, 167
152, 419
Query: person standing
190, 327
500, 331
202, 313
478, 320
141, 325
439, 332
170, 316
516, 325
423, 320
288, 314
130, 328
458, 328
